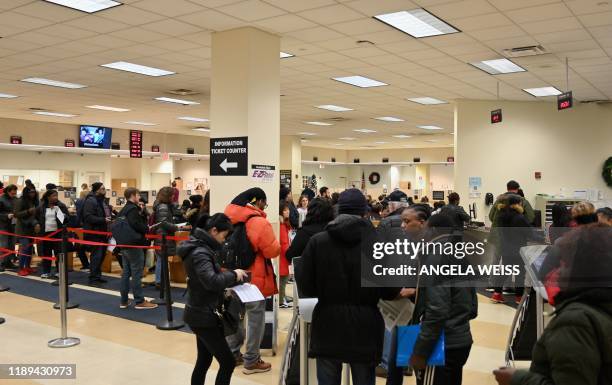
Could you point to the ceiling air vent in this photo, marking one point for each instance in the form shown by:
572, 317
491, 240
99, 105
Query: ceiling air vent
531, 50
37, 109
183, 92
596, 101
337, 119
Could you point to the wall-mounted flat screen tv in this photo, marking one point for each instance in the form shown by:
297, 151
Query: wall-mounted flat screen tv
95, 136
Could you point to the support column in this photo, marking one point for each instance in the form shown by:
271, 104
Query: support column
422, 180
291, 159
245, 101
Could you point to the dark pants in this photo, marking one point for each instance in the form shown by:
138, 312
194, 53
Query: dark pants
211, 343
50, 249
7, 242
26, 247
83, 256
329, 372
449, 374
97, 257
519, 280
395, 374
133, 265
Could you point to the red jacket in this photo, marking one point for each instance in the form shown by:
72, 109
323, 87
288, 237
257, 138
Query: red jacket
264, 242
283, 263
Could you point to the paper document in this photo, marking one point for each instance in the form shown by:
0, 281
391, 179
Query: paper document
248, 293
60, 216
182, 224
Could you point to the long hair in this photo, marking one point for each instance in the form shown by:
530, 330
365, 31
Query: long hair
320, 210
46, 195
164, 195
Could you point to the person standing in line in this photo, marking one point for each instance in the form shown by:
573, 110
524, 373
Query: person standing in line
283, 263
302, 209
84, 191
7, 223
25, 212
512, 188
294, 216
175, 193
96, 217
248, 208
604, 215
398, 201
324, 193
133, 258
561, 221
456, 212
320, 213
48, 214
206, 285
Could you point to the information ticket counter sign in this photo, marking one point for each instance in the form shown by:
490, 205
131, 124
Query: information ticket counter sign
229, 156
135, 144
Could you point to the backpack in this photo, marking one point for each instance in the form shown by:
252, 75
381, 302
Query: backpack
123, 233
237, 251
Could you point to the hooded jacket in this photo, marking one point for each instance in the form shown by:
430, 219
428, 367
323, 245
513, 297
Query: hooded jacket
94, 217
302, 237
7, 206
576, 346
164, 216
26, 219
206, 281
346, 323
265, 245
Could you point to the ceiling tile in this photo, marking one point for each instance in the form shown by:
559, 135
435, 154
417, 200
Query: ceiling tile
212, 20
365, 25
175, 44
66, 31
505, 5
168, 8
97, 24
552, 25
299, 5
491, 20
331, 15
171, 27
562, 36
137, 34
596, 19
22, 21
251, 10
130, 15
459, 9
49, 11
504, 32
315, 34
108, 41
584, 7
542, 12
285, 23
378, 7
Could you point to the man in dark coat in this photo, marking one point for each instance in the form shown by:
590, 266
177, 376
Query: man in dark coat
294, 215
96, 216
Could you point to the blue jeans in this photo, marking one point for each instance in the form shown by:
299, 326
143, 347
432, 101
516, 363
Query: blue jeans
256, 317
329, 372
133, 264
25, 247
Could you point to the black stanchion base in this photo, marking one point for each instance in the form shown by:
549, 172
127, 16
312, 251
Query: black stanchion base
4, 288
69, 305
1, 320
159, 301
170, 325
56, 283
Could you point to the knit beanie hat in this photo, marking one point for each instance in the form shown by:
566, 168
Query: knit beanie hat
352, 201
249, 196
96, 186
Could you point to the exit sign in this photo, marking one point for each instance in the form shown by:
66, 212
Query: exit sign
496, 116
565, 101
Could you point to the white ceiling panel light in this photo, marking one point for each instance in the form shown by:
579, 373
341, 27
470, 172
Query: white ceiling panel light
360, 81
284, 55
498, 66
347, 138
108, 108
193, 119
176, 101
417, 23
389, 119
137, 68
331, 107
58, 114
319, 123
427, 100
201, 129
138, 123
381, 142
542, 91
431, 141
304, 140
89, 6
53, 83
8, 96
402, 136
364, 130
307, 133
430, 127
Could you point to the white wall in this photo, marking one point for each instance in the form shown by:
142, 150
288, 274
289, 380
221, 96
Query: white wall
441, 177
567, 147
189, 170
438, 154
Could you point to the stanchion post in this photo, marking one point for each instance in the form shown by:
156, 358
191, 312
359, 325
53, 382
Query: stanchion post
64, 267
64, 341
169, 323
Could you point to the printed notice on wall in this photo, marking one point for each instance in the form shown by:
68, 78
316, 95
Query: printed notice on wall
262, 173
475, 183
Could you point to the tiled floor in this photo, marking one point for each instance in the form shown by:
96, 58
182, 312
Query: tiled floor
117, 351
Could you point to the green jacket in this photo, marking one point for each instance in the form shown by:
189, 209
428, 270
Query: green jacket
528, 210
576, 347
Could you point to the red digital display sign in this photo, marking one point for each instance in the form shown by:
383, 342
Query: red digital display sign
69, 143
135, 144
565, 101
496, 116
155, 148
15, 139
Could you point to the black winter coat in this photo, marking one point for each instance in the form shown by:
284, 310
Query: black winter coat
457, 214
94, 217
26, 219
206, 282
40, 215
514, 232
346, 323
302, 237
135, 219
164, 217
7, 206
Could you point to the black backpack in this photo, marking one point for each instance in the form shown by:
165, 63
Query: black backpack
123, 233
237, 251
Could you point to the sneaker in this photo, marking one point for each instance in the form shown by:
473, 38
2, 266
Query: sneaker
145, 305
285, 305
518, 298
84, 270
497, 298
258, 367
125, 305
239, 359
490, 289
45, 276
31, 270
508, 291
23, 272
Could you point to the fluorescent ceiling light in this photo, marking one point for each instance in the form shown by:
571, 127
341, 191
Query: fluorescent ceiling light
307, 133
53, 83
89, 6
402, 136
542, 91
284, 55
319, 123
498, 66
347, 138
380, 142
427, 100
137, 68
417, 23
47, 113
193, 119
176, 101
201, 129
429, 127
360, 81
331, 107
364, 130
304, 140
389, 119
8, 96
140, 123
431, 140
107, 108
338, 144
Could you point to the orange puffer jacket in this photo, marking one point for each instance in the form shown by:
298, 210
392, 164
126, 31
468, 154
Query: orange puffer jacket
264, 242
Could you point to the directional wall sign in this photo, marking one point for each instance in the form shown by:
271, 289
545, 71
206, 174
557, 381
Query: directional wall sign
229, 156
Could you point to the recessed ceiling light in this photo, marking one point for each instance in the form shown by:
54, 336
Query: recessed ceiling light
307, 133
417, 23
319, 123
47, 113
176, 101
284, 55
53, 83
402, 136
429, 127
360, 81
137, 68
498, 66
201, 129
380, 142
430, 140
8, 96
304, 140
331, 107
338, 144
347, 138
389, 119
193, 119
89, 6
107, 108
364, 130
140, 123
542, 91
427, 100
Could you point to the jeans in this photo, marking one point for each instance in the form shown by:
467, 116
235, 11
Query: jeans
7, 242
211, 343
158, 266
449, 374
256, 316
50, 249
83, 256
329, 372
97, 257
25, 247
395, 374
133, 264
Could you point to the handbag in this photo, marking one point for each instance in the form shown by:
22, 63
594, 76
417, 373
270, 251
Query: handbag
406, 339
228, 313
